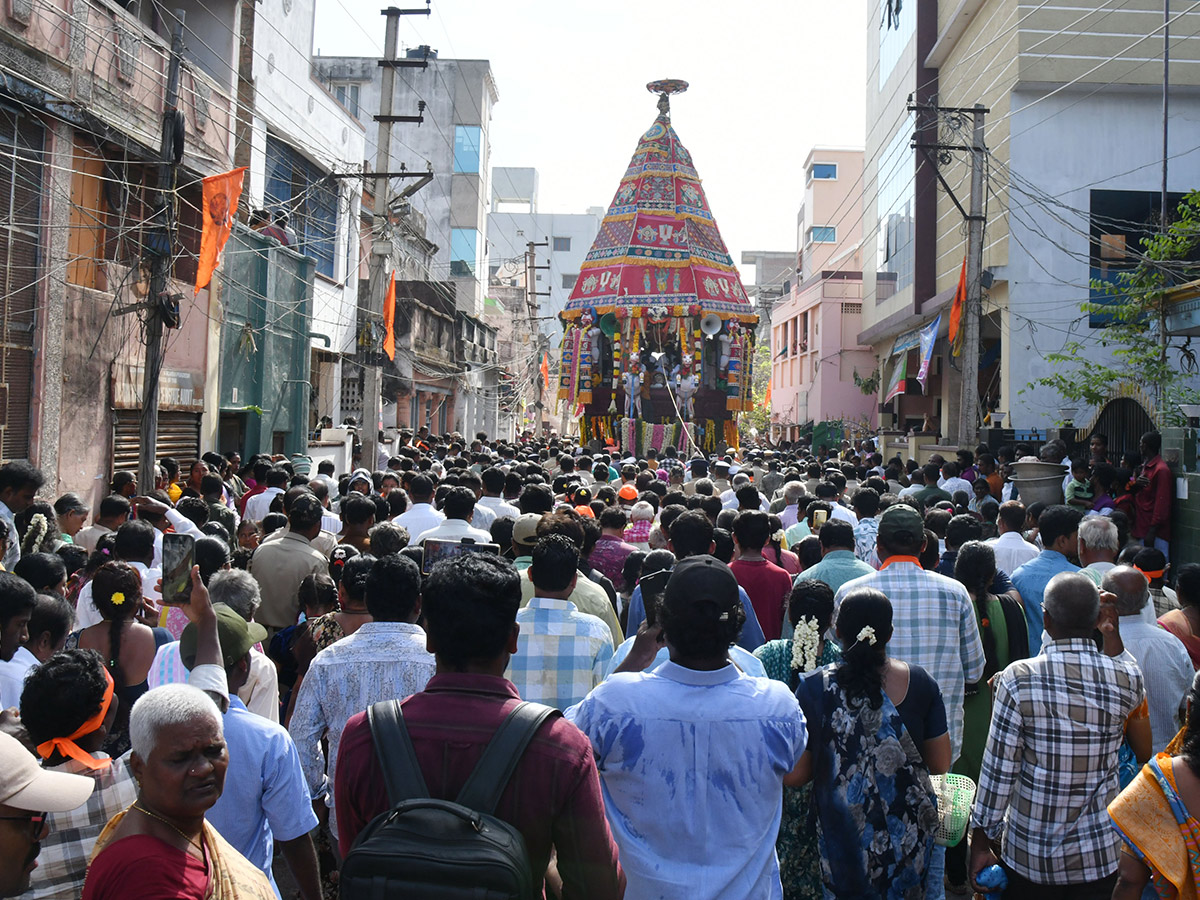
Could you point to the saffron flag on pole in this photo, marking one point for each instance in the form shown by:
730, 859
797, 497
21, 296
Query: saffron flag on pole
767, 396
389, 319
221, 194
957, 332
928, 338
545, 370
899, 374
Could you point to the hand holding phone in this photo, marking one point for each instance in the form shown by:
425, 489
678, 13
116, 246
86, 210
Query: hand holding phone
179, 555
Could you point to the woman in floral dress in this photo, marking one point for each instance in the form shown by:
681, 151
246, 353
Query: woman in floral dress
810, 611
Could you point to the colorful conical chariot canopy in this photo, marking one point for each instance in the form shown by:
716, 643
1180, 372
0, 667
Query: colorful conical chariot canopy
659, 244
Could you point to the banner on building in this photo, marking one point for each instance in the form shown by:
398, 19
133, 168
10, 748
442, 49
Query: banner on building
928, 339
221, 194
899, 374
389, 320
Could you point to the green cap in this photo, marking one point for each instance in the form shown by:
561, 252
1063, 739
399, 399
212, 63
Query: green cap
235, 634
901, 524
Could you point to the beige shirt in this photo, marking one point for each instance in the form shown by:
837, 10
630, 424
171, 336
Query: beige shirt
324, 542
89, 537
260, 693
588, 597
279, 566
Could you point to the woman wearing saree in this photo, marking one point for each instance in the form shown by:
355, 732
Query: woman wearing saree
1158, 819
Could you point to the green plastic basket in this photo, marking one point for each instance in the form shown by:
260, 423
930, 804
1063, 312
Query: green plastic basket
955, 794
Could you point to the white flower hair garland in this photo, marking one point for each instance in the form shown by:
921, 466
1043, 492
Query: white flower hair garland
806, 642
868, 635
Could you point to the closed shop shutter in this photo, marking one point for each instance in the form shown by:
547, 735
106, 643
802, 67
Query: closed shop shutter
21, 140
178, 437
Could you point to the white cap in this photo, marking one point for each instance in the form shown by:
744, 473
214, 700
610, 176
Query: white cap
26, 785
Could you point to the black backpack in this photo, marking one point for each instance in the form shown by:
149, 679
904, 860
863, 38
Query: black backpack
441, 849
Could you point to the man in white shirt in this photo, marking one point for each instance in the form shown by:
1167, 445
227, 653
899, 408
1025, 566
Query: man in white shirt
112, 513
481, 517
493, 494
134, 546
951, 483
421, 516
458, 506
259, 505
1011, 549
1098, 546
829, 493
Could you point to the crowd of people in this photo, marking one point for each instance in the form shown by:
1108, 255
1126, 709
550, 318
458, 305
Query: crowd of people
735, 676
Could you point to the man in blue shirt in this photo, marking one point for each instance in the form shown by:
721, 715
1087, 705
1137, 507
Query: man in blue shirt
1058, 527
692, 535
699, 739
265, 799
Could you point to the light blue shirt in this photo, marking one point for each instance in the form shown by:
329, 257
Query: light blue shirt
265, 795
712, 749
835, 569
750, 639
1031, 580
747, 662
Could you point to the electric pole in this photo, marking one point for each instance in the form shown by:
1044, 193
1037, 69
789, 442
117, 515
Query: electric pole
532, 305
160, 274
968, 411
964, 431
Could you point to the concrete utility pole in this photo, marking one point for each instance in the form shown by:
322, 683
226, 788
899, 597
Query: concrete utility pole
968, 410
381, 244
161, 269
532, 304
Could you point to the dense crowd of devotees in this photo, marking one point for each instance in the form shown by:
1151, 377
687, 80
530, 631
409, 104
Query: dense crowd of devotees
761, 665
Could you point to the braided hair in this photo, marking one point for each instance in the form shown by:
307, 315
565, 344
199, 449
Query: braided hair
864, 626
117, 593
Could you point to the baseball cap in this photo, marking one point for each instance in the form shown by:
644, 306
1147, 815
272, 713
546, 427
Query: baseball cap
628, 492
901, 524
702, 578
235, 634
525, 529
26, 785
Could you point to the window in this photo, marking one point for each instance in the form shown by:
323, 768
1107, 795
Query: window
466, 149
562, 245
822, 234
347, 95
822, 172
464, 243
894, 206
568, 281
894, 40
309, 197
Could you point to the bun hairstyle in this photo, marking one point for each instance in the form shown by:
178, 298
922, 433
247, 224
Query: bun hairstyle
864, 625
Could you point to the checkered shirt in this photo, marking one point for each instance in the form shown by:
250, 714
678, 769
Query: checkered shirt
1050, 765
561, 653
934, 627
63, 861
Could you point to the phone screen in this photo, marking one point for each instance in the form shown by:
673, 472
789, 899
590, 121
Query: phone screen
819, 517
436, 550
179, 555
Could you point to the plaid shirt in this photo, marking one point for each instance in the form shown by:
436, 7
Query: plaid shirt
63, 861
934, 627
1050, 765
561, 653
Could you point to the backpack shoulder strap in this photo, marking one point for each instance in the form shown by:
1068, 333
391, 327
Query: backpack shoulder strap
397, 758
486, 783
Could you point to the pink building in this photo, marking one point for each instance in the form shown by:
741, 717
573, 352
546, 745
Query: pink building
814, 328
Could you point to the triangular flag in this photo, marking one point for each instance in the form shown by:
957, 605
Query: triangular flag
389, 319
221, 194
956, 310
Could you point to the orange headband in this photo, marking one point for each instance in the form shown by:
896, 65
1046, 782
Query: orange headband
67, 746
1151, 574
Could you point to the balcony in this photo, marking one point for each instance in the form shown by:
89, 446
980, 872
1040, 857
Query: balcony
113, 68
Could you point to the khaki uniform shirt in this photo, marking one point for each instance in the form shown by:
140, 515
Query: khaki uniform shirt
279, 566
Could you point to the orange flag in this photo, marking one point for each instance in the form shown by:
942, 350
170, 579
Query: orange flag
545, 370
956, 311
767, 396
389, 319
221, 196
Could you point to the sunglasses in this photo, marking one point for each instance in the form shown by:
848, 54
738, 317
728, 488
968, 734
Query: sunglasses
35, 821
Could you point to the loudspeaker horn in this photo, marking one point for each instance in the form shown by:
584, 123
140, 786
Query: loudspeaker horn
608, 324
711, 324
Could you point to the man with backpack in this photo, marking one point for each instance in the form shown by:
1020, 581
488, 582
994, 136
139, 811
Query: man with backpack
549, 794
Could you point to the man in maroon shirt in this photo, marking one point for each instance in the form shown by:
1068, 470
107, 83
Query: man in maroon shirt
470, 607
766, 584
1152, 497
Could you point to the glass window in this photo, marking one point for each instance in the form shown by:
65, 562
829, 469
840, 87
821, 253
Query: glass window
823, 234
568, 281
894, 206
309, 197
466, 149
464, 243
894, 39
562, 245
822, 171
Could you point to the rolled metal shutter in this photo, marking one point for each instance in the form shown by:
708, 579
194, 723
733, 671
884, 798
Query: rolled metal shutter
178, 437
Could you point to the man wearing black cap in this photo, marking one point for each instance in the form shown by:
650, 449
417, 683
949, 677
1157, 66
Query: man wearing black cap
699, 738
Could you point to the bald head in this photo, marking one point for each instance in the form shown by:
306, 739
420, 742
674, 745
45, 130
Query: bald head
1070, 606
1130, 587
